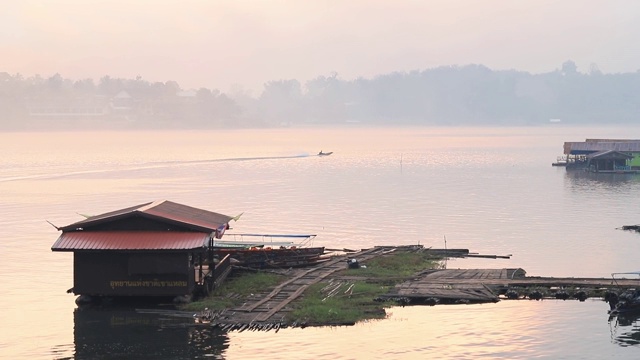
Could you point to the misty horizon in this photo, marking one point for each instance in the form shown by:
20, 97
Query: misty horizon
194, 64
239, 89
244, 44
451, 95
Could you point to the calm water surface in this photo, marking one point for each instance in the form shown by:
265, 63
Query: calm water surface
491, 190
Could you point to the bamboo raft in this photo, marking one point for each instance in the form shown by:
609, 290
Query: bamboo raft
447, 286
267, 311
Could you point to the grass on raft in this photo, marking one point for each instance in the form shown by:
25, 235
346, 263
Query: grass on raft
236, 289
350, 296
346, 297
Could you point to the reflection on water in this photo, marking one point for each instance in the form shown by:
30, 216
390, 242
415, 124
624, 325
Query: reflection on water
625, 329
127, 333
585, 180
509, 329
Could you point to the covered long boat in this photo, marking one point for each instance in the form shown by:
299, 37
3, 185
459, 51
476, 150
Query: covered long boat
269, 250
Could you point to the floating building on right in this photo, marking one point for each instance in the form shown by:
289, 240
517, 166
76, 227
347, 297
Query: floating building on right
602, 156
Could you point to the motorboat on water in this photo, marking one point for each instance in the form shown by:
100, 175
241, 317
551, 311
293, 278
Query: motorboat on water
325, 153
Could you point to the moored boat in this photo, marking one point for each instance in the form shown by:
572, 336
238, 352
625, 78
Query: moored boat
627, 301
265, 250
561, 161
264, 257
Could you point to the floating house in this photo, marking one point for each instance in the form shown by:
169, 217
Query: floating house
609, 161
154, 249
603, 155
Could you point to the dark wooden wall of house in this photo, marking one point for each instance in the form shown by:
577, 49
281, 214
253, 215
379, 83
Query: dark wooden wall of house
113, 273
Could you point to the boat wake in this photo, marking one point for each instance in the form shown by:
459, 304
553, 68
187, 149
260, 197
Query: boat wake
147, 166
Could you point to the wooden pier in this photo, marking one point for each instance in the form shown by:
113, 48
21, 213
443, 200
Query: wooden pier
491, 285
439, 286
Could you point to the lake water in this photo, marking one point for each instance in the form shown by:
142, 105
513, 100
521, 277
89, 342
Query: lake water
491, 190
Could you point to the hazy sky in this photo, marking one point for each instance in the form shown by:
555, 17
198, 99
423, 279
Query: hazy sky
217, 44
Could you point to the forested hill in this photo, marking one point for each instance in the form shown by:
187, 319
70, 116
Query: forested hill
448, 95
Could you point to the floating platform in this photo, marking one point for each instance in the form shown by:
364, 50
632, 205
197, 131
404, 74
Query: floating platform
490, 285
267, 311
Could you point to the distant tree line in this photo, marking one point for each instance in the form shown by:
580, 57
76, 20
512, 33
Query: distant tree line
448, 95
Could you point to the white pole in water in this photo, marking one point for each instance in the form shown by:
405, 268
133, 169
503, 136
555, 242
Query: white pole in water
445, 251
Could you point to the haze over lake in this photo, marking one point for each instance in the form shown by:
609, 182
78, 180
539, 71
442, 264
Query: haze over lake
491, 190
443, 117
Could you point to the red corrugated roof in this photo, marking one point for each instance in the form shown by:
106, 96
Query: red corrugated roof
130, 240
186, 215
167, 211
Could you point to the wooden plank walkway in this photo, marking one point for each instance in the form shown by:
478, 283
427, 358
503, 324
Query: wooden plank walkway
484, 285
273, 307
457, 285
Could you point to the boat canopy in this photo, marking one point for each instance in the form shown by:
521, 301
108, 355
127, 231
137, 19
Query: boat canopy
613, 275
275, 235
267, 239
626, 273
